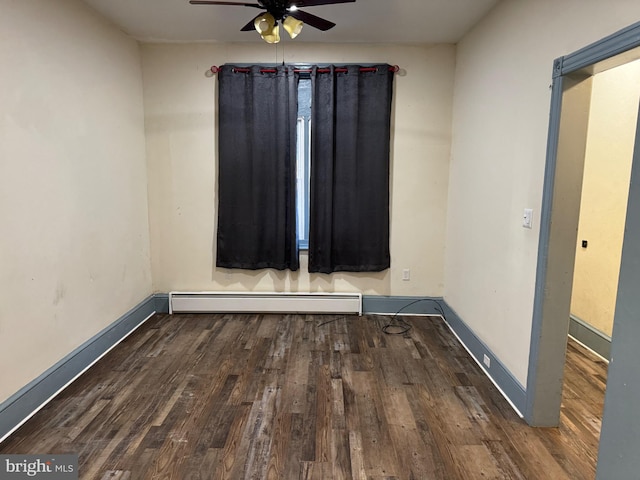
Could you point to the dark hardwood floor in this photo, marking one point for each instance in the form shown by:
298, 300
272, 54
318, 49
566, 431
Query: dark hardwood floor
307, 397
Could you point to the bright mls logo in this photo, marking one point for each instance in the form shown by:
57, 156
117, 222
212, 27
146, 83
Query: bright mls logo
50, 467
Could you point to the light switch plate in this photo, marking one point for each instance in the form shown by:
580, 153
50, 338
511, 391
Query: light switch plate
527, 218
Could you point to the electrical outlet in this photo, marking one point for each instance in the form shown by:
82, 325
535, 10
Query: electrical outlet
406, 274
487, 361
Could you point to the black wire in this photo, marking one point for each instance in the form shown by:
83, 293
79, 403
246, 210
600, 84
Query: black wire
395, 321
404, 326
440, 309
330, 321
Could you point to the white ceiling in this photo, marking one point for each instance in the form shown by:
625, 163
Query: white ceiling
365, 21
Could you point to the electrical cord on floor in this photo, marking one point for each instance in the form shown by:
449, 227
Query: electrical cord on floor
402, 326
397, 322
340, 317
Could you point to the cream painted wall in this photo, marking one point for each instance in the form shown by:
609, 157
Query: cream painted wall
500, 122
605, 188
180, 125
74, 249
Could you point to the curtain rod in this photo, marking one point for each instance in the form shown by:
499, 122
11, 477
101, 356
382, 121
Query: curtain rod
393, 68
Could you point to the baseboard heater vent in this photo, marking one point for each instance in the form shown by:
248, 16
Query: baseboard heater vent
262, 302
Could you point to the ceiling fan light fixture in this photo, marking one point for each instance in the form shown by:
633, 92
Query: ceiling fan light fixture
285, 12
273, 36
264, 24
293, 26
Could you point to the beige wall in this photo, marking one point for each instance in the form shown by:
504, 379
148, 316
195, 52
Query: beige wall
605, 188
74, 249
73, 198
501, 116
181, 145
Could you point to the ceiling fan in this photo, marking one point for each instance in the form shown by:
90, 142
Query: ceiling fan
280, 11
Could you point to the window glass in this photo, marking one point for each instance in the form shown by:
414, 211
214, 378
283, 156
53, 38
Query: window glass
303, 161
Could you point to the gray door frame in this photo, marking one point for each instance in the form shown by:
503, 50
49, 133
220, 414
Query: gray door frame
620, 435
559, 216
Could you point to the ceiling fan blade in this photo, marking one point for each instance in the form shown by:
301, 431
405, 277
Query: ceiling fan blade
250, 26
213, 2
313, 3
312, 20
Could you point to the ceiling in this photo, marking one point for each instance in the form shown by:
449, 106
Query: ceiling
365, 21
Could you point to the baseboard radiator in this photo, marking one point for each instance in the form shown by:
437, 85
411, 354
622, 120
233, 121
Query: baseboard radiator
263, 302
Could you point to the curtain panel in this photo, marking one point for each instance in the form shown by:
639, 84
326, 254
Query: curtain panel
256, 168
351, 126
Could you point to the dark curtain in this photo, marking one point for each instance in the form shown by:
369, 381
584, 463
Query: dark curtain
349, 219
256, 168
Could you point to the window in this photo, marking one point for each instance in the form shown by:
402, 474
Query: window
273, 199
303, 162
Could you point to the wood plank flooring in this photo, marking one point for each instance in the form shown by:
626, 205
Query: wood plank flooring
191, 397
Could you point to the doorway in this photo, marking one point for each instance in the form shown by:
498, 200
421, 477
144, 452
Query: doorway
571, 94
605, 188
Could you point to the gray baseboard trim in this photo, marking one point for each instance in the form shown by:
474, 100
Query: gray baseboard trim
374, 304
590, 337
32, 397
161, 302
511, 388
28, 400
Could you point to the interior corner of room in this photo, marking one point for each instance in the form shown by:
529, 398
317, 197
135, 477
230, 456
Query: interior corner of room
108, 181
